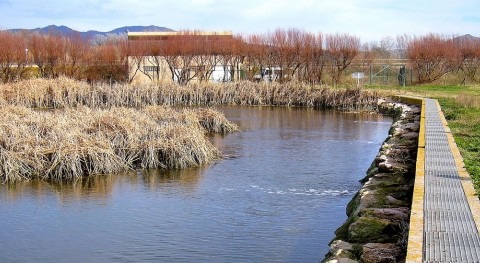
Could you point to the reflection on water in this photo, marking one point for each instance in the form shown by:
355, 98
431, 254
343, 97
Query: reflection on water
100, 187
277, 196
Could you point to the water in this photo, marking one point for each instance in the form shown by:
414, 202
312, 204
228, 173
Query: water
278, 196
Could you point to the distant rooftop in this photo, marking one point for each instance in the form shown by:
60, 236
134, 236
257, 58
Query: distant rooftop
166, 35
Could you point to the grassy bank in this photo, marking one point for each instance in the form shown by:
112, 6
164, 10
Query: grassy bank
72, 142
461, 106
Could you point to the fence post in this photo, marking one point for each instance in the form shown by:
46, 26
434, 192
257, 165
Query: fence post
388, 76
370, 74
411, 76
385, 77
402, 76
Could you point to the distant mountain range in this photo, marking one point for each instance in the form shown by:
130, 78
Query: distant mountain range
467, 37
66, 31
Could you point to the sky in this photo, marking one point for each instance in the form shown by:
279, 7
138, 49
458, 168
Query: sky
370, 20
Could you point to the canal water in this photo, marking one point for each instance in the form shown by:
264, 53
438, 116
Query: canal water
277, 196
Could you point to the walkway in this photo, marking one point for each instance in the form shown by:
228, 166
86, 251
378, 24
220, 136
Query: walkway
449, 232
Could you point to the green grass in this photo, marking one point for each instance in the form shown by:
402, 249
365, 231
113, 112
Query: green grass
461, 106
464, 121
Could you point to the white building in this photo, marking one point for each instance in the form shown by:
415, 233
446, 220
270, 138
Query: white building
182, 57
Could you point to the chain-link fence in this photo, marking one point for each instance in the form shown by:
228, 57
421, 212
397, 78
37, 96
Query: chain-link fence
388, 73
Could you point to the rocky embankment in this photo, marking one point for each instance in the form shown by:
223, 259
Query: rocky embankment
378, 216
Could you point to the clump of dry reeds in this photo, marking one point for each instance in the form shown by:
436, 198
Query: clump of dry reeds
65, 92
72, 142
214, 121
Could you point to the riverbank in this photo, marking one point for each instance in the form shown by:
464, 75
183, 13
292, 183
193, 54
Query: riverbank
378, 216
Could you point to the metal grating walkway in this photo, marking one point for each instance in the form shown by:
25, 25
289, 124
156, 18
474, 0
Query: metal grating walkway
450, 233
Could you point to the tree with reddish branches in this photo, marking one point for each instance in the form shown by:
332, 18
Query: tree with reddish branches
13, 56
254, 53
74, 56
313, 59
47, 52
107, 61
432, 57
342, 49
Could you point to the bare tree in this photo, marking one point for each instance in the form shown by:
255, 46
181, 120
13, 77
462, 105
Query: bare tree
55, 50
313, 59
154, 57
231, 55
432, 57
342, 49
13, 56
366, 55
107, 62
39, 52
402, 42
254, 53
237, 57
206, 55
469, 58
381, 50
289, 44
74, 57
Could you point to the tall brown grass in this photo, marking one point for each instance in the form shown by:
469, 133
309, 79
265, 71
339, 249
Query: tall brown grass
64, 92
68, 143
468, 100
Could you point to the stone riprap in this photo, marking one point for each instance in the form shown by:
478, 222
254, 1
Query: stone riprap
378, 216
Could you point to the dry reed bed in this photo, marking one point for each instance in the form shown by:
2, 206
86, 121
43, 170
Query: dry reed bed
72, 142
65, 92
91, 131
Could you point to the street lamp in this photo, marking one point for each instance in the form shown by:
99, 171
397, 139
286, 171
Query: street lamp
127, 66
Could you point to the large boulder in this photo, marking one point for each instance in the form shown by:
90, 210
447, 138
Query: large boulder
371, 229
